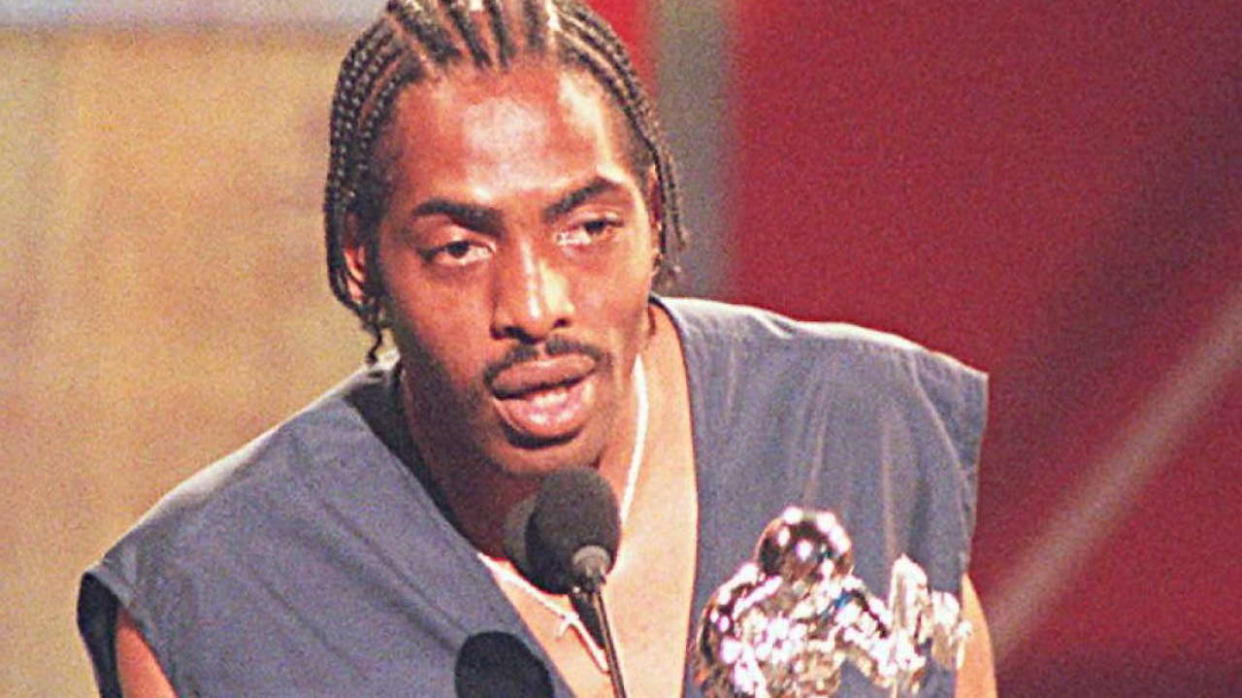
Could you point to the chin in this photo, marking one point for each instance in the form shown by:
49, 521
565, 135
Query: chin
525, 460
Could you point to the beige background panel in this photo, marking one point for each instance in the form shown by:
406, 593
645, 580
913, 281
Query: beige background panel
164, 293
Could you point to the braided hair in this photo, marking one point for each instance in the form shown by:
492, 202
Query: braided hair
413, 39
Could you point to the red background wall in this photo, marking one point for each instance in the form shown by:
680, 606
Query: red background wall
1052, 192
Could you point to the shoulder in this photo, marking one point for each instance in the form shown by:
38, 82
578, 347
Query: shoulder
268, 471
879, 429
752, 371
301, 526
242, 500
752, 344
236, 521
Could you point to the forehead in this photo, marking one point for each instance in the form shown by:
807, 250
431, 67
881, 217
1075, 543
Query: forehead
495, 132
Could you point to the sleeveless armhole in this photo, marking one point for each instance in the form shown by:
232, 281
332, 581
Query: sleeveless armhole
97, 611
958, 396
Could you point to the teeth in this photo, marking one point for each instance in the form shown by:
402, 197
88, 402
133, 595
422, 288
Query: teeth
549, 398
545, 408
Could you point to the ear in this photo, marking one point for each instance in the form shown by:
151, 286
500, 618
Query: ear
655, 212
355, 252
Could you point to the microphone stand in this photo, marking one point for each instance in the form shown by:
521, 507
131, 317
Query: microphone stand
591, 595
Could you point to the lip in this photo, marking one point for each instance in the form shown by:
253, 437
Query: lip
547, 399
541, 374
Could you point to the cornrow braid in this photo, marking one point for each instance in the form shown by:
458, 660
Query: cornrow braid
372, 189
415, 37
500, 30
469, 33
425, 26
367, 60
536, 15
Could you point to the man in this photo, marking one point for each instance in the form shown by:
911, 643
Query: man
500, 198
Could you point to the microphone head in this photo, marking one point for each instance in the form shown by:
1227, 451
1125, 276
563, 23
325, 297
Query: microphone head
517, 530
498, 664
568, 534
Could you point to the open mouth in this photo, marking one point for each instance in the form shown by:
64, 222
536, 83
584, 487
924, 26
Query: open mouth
546, 400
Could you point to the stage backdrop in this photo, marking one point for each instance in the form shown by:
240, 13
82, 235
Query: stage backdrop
1052, 193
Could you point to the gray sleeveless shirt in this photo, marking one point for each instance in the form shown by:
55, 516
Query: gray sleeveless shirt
313, 562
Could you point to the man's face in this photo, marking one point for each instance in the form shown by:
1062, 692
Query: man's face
517, 251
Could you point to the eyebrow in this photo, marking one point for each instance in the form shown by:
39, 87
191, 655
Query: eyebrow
577, 197
475, 217
488, 219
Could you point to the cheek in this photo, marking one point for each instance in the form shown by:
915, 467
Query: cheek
619, 297
448, 331
438, 331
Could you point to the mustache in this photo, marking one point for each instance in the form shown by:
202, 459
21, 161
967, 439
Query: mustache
555, 346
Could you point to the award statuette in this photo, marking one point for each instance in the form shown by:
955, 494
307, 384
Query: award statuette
788, 620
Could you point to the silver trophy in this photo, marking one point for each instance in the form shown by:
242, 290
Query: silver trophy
788, 620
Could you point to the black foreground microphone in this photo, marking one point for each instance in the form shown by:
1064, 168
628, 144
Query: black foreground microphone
565, 540
498, 664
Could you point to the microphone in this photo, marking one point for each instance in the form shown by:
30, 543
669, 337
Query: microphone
564, 540
498, 664
565, 537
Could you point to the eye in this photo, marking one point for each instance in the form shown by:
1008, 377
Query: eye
587, 231
459, 253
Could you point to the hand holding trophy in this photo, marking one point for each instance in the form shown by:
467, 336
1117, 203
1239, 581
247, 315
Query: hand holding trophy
788, 620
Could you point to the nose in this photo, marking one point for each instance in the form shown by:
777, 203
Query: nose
532, 298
